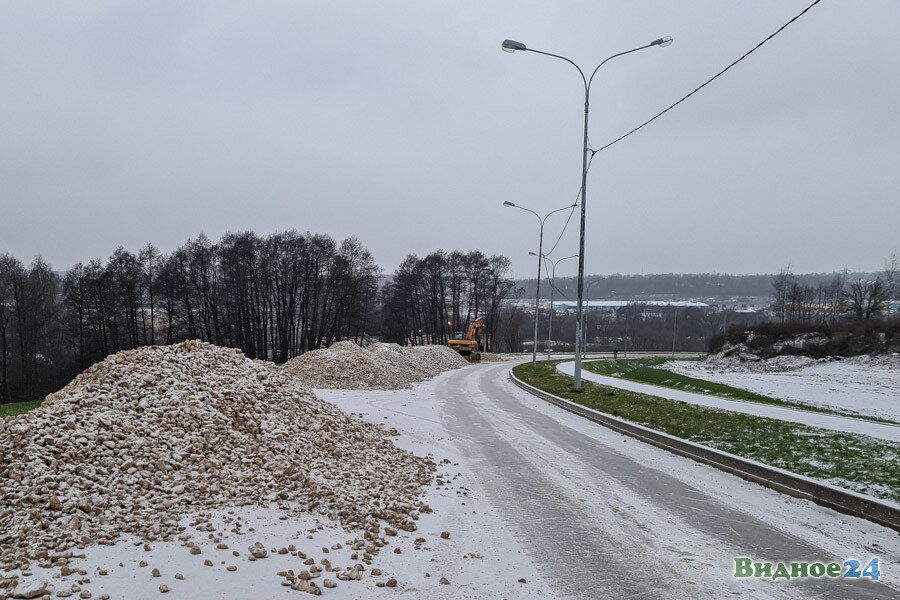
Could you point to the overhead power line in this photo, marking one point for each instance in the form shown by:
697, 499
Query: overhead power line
707, 82
569, 218
683, 98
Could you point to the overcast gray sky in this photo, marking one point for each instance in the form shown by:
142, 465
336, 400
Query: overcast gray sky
404, 124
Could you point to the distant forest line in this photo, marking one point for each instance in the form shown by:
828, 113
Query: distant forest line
699, 286
280, 295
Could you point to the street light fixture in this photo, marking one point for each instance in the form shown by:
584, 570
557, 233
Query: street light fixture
552, 288
512, 46
537, 293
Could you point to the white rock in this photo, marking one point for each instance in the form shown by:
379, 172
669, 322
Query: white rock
30, 588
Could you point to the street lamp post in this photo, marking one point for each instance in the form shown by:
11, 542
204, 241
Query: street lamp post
537, 293
587, 320
552, 287
674, 326
512, 46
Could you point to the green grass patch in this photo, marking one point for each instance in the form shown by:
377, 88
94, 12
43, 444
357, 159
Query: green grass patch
644, 370
860, 463
17, 408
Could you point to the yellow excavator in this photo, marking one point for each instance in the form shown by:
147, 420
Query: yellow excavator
469, 344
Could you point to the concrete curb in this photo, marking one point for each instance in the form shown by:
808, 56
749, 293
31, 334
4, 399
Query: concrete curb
882, 512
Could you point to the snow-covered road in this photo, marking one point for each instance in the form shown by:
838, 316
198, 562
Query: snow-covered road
604, 516
883, 431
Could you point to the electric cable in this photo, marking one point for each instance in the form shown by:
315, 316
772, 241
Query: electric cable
707, 82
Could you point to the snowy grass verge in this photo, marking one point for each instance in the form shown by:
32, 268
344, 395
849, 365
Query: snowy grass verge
646, 370
851, 461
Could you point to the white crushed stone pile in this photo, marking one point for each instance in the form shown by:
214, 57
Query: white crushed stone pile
717, 363
740, 364
150, 435
347, 366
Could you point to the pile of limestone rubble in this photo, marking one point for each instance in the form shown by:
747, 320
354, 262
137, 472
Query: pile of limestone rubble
148, 436
347, 366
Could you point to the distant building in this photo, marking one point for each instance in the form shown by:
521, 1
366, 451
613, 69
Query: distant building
613, 305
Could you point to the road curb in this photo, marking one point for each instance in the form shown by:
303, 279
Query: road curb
878, 511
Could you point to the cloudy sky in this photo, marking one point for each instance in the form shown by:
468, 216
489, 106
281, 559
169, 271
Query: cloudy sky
403, 123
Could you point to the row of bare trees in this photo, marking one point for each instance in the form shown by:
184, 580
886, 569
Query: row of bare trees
432, 297
274, 297
858, 298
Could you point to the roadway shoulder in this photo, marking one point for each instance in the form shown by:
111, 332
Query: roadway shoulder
858, 505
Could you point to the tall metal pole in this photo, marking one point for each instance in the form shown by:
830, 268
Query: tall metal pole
674, 327
550, 310
513, 46
587, 312
579, 314
537, 295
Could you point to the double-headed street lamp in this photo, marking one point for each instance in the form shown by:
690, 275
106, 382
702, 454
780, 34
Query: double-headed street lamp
537, 294
512, 46
552, 287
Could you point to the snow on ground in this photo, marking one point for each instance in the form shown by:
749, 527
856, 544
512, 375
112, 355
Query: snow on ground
485, 559
481, 558
485, 556
491, 571
883, 431
861, 385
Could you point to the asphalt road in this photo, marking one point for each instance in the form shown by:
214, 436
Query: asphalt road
608, 517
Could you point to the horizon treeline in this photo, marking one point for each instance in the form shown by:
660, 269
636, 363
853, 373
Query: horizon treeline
700, 286
274, 297
860, 297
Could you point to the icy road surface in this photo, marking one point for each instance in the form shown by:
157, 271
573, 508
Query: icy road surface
599, 515
885, 431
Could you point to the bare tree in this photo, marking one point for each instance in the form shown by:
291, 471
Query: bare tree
10, 270
782, 285
867, 299
891, 273
150, 260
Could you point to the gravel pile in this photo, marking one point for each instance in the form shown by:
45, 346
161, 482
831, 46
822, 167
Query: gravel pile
491, 357
779, 364
346, 366
148, 436
743, 364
